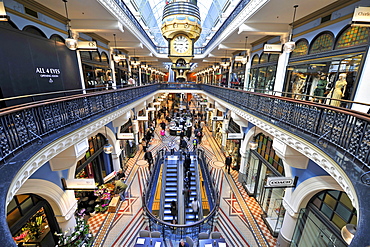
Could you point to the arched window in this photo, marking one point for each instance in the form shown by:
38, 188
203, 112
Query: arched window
85, 55
255, 60
266, 151
323, 42
301, 48
336, 206
104, 57
34, 30
95, 56
353, 36
274, 57
57, 38
264, 58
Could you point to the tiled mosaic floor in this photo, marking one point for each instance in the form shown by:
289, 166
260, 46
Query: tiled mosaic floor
213, 153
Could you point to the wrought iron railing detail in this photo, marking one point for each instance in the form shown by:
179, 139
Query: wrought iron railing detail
26, 125
342, 129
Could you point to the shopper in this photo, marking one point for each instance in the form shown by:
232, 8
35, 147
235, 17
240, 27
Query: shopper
228, 162
183, 244
173, 209
149, 158
172, 146
120, 188
195, 207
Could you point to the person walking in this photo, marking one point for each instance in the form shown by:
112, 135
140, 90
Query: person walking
163, 125
172, 146
187, 163
173, 209
228, 162
120, 188
186, 192
120, 174
195, 207
149, 158
195, 144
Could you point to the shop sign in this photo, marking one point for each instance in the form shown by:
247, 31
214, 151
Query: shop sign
277, 48
150, 109
87, 45
202, 103
235, 136
217, 118
361, 16
125, 136
280, 182
50, 73
79, 184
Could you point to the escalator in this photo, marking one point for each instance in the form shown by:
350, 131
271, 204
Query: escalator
189, 215
171, 186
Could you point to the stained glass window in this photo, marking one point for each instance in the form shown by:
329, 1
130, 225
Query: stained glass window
336, 206
353, 36
301, 48
322, 43
265, 150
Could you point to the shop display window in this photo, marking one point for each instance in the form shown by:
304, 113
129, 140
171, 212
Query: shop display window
272, 206
317, 81
322, 43
251, 173
353, 36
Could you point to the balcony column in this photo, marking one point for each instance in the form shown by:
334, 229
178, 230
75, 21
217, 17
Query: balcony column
139, 79
291, 158
225, 124
247, 73
281, 67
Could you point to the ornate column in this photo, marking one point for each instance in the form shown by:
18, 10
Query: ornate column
281, 67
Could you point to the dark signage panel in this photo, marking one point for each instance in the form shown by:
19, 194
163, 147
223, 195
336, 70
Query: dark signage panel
31, 64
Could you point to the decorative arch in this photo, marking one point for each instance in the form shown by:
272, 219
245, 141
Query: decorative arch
322, 42
34, 30
255, 59
301, 48
303, 193
104, 57
352, 36
57, 38
62, 202
264, 58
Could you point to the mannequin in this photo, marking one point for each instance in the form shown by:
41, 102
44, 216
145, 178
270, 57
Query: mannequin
338, 91
320, 88
298, 86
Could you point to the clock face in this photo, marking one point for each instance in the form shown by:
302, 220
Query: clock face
181, 44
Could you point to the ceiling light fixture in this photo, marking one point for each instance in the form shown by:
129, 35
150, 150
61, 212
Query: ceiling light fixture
70, 42
3, 16
116, 58
290, 45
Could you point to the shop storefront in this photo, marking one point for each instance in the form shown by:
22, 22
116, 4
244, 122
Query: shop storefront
262, 73
32, 221
127, 143
96, 164
237, 75
320, 223
95, 66
122, 75
233, 141
315, 68
264, 163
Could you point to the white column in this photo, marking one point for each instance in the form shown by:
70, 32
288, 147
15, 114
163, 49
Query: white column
246, 73
230, 71
139, 80
281, 68
81, 71
363, 87
113, 74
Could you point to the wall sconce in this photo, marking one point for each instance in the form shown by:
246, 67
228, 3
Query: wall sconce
108, 148
348, 232
253, 144
3, 16
290, 45
70, 42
